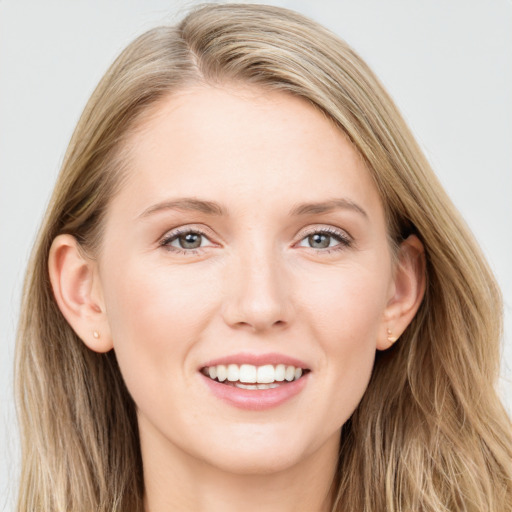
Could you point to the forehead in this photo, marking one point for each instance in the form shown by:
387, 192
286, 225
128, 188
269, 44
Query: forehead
240, 145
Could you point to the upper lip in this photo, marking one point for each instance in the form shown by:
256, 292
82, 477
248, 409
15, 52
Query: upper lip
257, 360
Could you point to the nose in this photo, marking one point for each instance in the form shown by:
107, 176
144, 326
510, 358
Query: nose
257, 293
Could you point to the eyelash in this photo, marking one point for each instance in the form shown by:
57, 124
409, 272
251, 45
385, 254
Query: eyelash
345, 241
173, 235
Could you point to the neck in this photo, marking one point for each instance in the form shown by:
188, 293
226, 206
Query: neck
176, 481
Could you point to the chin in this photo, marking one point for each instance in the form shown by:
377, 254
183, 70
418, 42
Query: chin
262, 451
261, 461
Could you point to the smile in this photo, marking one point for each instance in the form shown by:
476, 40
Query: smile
248, 376
255, 382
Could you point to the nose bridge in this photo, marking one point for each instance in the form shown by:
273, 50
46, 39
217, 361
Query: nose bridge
257, 295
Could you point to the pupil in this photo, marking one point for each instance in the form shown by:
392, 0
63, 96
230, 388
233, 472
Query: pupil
190, 241
319, 241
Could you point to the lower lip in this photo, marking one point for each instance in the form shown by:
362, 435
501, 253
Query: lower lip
257, 399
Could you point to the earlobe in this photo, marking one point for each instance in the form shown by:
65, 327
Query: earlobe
76, 287
408, 291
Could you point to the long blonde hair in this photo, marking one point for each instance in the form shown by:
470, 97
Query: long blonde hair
430, 433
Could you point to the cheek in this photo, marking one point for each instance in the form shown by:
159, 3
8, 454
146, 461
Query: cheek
155, 317
345, 310
348, 304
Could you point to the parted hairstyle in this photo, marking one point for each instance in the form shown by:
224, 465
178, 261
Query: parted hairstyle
430, 433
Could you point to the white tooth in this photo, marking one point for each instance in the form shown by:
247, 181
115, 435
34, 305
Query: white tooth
245, 386
264, 386
280, 372
274, 385
247, 373
290, 373
212, 372
233, 373
266, 374
222, 372
298, 373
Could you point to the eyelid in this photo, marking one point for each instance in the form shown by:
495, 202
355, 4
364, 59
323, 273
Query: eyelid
345, 239
174, 233
323, 228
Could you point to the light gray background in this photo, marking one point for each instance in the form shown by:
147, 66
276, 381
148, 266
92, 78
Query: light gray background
448, 65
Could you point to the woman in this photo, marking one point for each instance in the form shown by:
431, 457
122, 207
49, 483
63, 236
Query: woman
251, 291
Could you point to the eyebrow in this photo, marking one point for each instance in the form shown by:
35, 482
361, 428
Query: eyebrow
186, 203
326, 207
213, 208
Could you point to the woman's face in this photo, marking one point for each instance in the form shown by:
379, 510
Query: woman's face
248, 232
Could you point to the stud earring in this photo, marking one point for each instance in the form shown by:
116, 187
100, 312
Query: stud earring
96, 334
391, 338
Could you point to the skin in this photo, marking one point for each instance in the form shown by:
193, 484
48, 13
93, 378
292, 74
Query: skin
255, 285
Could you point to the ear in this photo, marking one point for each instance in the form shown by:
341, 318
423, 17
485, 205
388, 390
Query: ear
77, 289
407, 292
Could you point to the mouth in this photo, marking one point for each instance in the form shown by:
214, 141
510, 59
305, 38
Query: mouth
251, 377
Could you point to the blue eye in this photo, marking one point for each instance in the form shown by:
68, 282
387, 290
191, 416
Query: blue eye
188, 241
325, 239
185, 241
